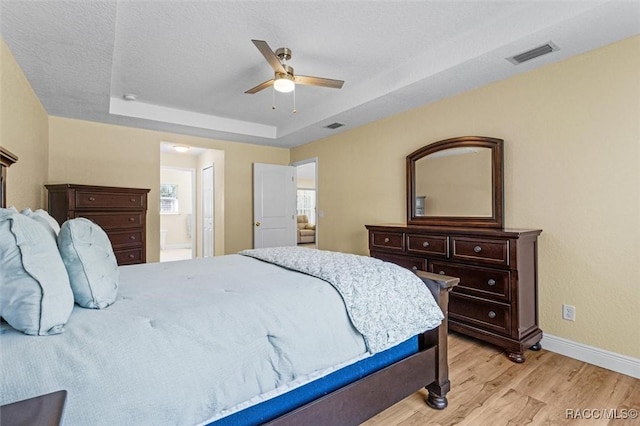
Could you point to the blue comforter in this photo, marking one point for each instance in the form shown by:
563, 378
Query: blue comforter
184, 342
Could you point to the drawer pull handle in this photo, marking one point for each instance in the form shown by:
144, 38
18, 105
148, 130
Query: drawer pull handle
92, 198
491, 281
386, 240
492, 314
415, 268
477, 249
133, 200
132, 237
441, 272
132, 219
131, 256
425, 244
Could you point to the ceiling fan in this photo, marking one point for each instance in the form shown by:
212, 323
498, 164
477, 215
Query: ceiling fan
284, 79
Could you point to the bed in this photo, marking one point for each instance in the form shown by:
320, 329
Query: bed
160, 354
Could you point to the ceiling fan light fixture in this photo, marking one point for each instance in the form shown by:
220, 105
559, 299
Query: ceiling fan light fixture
284, 83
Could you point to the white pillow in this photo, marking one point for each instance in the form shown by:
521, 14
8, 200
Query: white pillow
36, 295
92, 267
42, 217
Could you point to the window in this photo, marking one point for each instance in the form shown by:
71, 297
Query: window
307, 204
168, 198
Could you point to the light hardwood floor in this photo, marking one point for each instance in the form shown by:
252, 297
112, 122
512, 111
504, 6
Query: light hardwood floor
488, 389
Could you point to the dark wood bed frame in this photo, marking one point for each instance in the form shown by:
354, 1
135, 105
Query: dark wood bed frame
6, 159
364, 398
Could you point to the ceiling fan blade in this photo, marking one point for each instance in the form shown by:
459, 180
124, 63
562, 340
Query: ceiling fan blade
268, 54
319, 81
260, 87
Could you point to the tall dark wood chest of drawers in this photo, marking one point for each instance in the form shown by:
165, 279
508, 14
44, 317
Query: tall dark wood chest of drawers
497, 297
121, 212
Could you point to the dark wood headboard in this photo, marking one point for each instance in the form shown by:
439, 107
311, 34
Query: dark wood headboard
6, 159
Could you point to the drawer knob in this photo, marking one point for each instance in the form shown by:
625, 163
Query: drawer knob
425, 244
132, 237
477, 249
133, 200
131, 256
132, 219
492, 314
92, 198
491, 281
441, 272
415, 268
386, 240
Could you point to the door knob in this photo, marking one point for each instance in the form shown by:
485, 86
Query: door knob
257, 223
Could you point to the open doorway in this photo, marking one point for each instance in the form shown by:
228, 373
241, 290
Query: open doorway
306, 202
177, 207
206, 222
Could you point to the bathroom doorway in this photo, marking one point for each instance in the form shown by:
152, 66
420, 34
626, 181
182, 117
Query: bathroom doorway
177, 207
194, 160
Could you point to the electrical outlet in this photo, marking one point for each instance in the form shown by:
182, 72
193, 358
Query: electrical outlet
568, 312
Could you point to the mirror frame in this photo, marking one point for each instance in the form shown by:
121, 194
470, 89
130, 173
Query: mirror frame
496, 220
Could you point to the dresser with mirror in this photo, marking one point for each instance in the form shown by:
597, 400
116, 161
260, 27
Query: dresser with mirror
455, 227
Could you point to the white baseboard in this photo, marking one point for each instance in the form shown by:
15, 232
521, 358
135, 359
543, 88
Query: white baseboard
611, 361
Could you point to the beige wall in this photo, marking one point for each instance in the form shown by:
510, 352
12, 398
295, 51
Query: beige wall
572, 168
24, 132
102, 154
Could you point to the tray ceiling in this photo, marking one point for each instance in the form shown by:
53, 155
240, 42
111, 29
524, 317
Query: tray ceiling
188, 63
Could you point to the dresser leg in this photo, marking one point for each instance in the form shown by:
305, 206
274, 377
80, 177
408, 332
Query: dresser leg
536, 347
516, 357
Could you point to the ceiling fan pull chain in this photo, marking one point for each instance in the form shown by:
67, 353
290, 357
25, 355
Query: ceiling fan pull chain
294, 100
273, 106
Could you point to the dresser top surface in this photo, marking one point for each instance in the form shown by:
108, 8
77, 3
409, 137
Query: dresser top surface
420, 229
66, 186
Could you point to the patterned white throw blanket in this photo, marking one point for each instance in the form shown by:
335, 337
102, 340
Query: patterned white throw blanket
386, 303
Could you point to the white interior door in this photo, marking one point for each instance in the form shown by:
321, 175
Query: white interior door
207, 211
274, 205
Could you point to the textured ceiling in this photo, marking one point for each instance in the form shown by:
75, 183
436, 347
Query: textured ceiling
190, 62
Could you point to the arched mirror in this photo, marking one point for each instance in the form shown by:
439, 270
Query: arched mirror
456, 182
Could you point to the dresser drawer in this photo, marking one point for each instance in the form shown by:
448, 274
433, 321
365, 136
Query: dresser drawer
109, 221
435, 245
388, 240
128, 256
108, 200
483, 282
126, 238
482, 250
413, 263
489, 315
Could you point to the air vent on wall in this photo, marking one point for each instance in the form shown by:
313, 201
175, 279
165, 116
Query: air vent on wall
334, 125
533, 53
